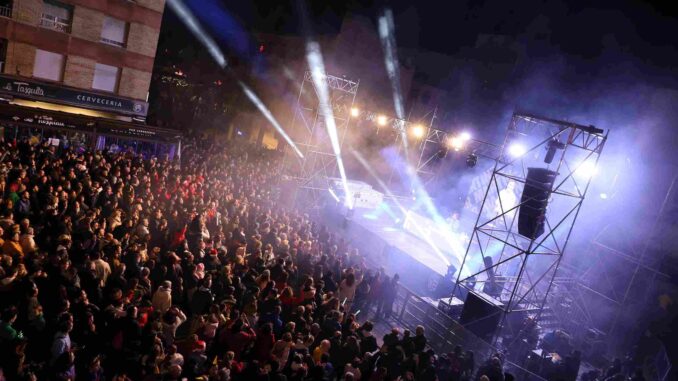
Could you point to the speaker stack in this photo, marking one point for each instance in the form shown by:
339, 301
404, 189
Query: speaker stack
535, 198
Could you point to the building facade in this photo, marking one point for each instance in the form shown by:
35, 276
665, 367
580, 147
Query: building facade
69, 62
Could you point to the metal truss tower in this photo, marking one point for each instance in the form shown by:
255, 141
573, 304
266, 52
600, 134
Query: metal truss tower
312, 173
514, 270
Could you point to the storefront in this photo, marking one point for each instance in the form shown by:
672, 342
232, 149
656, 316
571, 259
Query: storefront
76, 131
70, 117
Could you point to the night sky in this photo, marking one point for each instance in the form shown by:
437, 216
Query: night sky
578, 28
585, 31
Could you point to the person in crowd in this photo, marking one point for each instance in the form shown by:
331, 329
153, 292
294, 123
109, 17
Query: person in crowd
492, 369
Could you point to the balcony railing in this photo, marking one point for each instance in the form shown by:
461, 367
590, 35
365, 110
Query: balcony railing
113, 42
56, 23
5, 11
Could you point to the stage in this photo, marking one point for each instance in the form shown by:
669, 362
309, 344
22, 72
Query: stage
409, 244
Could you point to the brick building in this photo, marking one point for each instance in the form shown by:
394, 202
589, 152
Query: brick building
80, 68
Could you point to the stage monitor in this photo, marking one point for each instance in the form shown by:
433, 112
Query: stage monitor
481, 315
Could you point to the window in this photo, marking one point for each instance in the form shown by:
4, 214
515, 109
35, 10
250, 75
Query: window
114, 32
105, 77
57, 16
6, 8
48, 65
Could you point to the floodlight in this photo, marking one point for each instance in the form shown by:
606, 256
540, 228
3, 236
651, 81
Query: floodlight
472, 160
586, 170
456, 143
418, 131
517, 150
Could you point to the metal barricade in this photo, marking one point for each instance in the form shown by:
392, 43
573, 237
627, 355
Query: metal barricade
444, 333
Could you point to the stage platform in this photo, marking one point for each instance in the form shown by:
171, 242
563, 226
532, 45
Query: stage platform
422, 251
380, 235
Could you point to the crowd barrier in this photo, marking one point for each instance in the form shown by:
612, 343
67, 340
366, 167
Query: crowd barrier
444, 333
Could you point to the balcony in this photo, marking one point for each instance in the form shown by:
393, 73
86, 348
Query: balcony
56, 23
6, 11
112, 42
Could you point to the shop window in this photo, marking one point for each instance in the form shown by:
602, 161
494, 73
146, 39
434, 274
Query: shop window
114, 32
57, 16
48, 65
106, 77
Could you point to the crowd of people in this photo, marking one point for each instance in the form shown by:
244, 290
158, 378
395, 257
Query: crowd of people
118, 267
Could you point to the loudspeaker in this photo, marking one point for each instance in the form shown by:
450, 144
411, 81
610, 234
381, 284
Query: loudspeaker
481, 315
534, 200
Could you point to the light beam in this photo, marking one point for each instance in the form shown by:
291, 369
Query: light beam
388, 44
196, 28
315, 62
400, 207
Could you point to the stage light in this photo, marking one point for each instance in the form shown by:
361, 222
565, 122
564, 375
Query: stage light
418, 131
603, 196
465, 136
517, 150
456, 143
586, 170
382, 120
553, 146
355, 112
472, 160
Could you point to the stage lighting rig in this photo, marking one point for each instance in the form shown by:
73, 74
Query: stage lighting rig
552, 146
593, 130
471, 160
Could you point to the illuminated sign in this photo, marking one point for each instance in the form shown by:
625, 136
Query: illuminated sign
20, 87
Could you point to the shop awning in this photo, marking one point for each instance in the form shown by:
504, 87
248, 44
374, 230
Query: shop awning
55, 120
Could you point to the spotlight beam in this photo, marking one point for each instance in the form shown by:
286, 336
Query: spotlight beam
269, 116
422, 194
196, 28
192, 23
315, 63
400, 207
334, 195
388, 44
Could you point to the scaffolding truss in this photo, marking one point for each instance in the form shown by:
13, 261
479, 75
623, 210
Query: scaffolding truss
624, 269
435, 144
312, 173
516, 271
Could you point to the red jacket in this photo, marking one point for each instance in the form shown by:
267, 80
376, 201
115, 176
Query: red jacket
237, 342
263, 346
